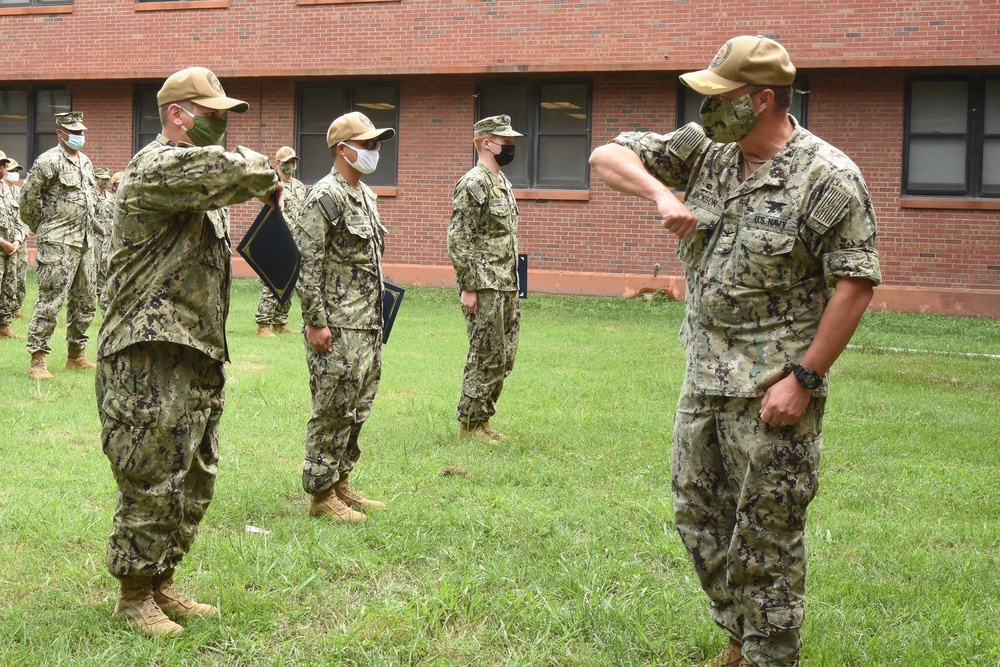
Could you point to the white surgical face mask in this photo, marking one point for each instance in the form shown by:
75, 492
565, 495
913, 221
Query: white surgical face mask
12, 176
75, 142
367, 160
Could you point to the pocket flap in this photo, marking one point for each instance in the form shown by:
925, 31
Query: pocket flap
130, 410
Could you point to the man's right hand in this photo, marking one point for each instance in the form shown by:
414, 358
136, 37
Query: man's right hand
320, 338
7, 247
677, 218
470, 301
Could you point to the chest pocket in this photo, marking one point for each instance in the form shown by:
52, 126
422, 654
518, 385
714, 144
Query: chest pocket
765, 258
70, 178
504, 214
691, 248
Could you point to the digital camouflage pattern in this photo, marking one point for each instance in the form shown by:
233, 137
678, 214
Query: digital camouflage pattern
169, 272
57, 203
269, 311
102, 252
160, 377
760, 267
11, 230
340, 286
482, 243
762, 262
482, 234
343, 384
21, 288
341, 240
493, 336
58, 200
159, 406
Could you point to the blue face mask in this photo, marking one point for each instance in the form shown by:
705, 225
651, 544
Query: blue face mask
75, 142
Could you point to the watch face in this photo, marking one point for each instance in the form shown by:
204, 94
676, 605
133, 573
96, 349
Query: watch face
808, 379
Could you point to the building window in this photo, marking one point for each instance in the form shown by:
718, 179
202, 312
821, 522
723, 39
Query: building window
689, 103
318, 105
554, 118
27, 121
952, 131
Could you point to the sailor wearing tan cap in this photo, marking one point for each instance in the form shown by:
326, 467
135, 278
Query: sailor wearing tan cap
777, 237
12, 182
340, 285
272, 317
12, 237
58, 204
160, 377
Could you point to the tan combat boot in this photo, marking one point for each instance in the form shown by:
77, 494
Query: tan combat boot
38, 369
265, 331
135, 602
480, 430
76, 361
353, 498
5, 332
175, 603
328, 504
731, 656
283, 328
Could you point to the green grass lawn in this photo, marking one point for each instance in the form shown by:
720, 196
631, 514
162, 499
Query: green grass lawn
555, 547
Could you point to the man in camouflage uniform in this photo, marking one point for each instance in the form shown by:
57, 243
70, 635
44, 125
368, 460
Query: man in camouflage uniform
103, 224
161, 350
340, 286
482, 242
778, 242
12, 237
272, 317
12, 182
58, 204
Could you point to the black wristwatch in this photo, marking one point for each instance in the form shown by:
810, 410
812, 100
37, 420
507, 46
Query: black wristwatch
807, 378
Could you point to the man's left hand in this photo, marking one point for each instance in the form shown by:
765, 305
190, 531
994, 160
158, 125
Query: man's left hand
784, 402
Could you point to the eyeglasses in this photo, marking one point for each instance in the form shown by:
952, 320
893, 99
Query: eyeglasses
370, 145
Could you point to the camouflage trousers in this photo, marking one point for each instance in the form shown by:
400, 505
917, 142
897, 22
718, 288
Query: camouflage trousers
22, 277
65, 274
741, 489
102, 254
343, 384
159, 405
269, 311
493, 334
8, 286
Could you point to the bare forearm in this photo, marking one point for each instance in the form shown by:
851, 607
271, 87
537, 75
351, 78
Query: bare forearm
839, 322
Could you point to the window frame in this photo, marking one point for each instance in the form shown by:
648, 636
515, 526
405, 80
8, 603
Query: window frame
32, 129
34, 4
531, 130
350, 88
975, 136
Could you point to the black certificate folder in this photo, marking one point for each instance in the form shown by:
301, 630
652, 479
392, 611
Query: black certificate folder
270, 250
392, 296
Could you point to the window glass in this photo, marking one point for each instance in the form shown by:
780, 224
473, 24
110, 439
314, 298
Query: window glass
937, 163
147, 118
991, 166
992, 107
510, 99
14, 124
939, 106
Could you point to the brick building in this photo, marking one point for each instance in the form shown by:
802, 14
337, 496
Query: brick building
910, 90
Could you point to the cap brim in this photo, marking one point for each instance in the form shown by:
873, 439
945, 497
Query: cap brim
74, 126
378, 134
223, 103
708, 82
507, 133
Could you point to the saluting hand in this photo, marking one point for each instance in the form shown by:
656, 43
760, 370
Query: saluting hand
677, 218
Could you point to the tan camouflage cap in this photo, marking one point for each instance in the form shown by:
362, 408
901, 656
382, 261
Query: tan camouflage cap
71, 120
496, 125
102, 172
356, 126
117, 177
748, 59
198, 85
285, 153
4, 160
12, 165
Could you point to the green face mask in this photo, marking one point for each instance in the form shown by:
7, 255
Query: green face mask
726, 121
288, 167
206, 131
